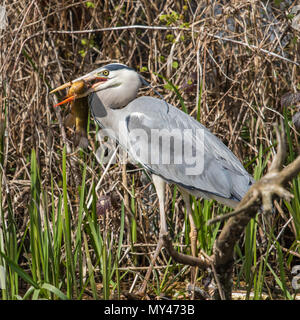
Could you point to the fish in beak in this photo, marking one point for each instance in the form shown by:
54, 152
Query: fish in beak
77, 95
79, 88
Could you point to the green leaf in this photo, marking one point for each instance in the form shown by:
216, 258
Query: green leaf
54, 290
163, 17
84, 41
19, 271
82, 53
175, 64
90, 4
170, 37
168, 86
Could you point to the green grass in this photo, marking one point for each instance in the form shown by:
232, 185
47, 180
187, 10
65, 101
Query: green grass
59, 256
54, 247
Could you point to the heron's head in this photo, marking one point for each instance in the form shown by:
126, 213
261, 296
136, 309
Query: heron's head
114, 81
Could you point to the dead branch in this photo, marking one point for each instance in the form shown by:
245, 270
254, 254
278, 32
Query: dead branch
183, 258
259, 196
262, 191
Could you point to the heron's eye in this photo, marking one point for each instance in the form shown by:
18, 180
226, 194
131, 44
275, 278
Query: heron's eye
103, 73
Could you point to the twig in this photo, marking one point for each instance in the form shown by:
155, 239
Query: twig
148, 28
7, 54
183, 258
232, 214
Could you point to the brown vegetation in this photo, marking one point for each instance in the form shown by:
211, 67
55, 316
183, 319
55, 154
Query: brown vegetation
240, 57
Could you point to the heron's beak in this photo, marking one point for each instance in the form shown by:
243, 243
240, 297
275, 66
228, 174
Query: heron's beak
63, 86
95, 81
91, 82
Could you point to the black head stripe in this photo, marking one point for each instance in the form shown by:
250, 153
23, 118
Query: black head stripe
116, 66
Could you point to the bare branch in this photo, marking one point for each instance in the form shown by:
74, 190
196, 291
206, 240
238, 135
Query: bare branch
290, 171
261, 192
281, 150
183, 258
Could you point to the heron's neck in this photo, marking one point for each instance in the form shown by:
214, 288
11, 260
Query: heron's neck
106, 105
112, 100
118, 97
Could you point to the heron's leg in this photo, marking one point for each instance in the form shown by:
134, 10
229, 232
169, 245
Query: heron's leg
194, 231
159, 184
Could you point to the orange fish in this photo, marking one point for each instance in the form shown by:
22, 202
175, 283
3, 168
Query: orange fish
79, 112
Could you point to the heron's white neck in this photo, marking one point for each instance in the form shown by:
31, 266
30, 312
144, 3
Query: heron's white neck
125, 90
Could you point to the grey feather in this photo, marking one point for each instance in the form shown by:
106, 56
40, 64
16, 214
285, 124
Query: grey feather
223, 176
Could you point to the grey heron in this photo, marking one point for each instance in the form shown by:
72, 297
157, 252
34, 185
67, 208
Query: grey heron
164, 140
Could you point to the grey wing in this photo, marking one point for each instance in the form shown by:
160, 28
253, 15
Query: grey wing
178, 148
